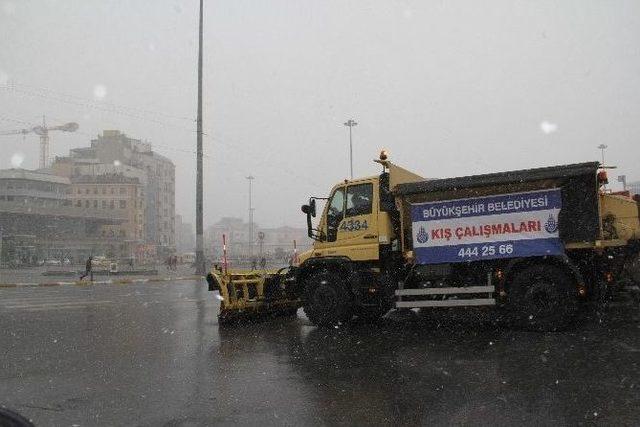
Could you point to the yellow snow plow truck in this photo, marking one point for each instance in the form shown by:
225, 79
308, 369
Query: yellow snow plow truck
536, 243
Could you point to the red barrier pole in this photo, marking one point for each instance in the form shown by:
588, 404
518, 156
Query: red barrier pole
224, 253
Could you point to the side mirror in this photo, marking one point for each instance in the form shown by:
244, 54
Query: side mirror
310, 211
312, 207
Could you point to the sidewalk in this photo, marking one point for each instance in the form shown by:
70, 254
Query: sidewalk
32, 277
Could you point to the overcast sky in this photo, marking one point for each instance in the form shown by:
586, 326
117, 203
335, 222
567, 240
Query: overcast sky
448, 87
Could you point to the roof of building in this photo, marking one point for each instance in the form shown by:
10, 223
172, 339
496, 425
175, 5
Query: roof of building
155, 155
32, 176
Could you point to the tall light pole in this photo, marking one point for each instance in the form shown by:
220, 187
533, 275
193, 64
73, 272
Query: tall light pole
351, 123
200, 267
250, 178
602, 147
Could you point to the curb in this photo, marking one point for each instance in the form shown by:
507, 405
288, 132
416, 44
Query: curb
99, 282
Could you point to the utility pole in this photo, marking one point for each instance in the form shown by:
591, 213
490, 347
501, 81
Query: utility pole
250, 178
200, 267
351, 123
44, 145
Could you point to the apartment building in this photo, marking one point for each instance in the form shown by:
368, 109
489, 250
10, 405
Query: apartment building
113, 153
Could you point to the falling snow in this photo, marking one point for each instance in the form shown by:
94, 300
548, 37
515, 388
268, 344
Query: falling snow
17, 159
99, 91
548, 127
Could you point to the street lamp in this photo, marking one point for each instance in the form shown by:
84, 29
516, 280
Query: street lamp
250, 178
351, 123
602, 147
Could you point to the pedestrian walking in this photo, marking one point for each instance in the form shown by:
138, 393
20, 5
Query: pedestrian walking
88, 269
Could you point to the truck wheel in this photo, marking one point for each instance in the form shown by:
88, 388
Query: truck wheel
371, 314
543, 298
327, 301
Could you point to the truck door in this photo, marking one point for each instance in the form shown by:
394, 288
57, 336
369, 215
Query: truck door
357, 235
335, 214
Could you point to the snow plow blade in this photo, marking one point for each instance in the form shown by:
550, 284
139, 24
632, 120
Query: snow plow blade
251, 295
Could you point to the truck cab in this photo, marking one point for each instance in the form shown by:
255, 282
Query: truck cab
352, 224
359, 220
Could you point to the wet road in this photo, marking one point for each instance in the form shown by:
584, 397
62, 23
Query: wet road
153, 355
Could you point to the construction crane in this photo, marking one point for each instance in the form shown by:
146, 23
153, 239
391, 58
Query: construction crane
43, 132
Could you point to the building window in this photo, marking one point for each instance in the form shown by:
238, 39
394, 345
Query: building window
104, 190
95, 204
79, 203
104, 204
123, 190
86, 203
113, 190
123, 204
95, 190
112, 204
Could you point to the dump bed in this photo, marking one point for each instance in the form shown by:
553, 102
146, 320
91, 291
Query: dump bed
558, 202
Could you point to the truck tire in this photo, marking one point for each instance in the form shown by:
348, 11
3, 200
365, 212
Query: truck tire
543, 298
372, 314
327, 301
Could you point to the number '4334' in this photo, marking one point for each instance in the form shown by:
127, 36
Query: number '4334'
354, 225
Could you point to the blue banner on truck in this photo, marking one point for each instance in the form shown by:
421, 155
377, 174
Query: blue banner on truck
479, 228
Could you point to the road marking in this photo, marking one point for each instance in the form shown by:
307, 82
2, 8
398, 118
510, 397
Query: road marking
60, 304
79, 307
38, 300
99, 282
